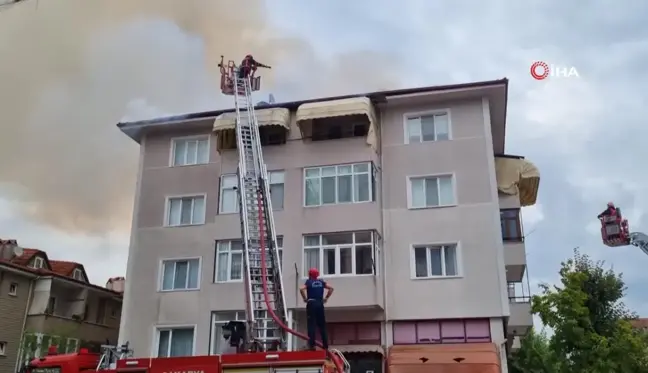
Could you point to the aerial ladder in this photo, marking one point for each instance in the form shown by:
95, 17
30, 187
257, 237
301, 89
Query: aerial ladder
266, 323
615, 230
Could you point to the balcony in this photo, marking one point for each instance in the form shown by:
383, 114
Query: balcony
521, 319
514, 249
70, 328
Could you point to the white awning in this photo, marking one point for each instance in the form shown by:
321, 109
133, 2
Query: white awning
340, 108
265, 117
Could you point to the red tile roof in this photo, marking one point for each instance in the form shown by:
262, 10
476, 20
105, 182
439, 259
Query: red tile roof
640, 323
27, 255
63, 268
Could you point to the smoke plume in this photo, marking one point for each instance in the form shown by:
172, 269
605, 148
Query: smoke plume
71, 69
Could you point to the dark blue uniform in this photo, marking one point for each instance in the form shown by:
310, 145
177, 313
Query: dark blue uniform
315, 311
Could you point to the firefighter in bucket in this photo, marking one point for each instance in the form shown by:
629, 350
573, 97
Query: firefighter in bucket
231, 73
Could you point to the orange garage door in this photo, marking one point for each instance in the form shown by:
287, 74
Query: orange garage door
452, 358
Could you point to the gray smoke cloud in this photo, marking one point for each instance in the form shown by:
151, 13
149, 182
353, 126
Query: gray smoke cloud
71, 69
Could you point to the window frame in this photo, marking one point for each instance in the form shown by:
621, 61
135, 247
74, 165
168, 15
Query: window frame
440, 322
175, 140
518, 221
175, 260
373, 181
239, 315
13, 289
167, 209
3, 348
428, 246
453, 180
270, 184
80, 273
67, 345
280, 239
159, 328
375, 238
40, 261
420, 114
221, 194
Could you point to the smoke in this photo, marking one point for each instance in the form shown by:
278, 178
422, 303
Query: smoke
71, 69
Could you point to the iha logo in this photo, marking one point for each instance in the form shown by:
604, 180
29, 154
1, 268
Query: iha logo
541, 70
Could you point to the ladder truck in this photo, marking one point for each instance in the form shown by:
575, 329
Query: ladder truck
261, 341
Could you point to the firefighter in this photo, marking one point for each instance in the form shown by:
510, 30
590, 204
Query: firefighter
248, 65
611, 210
313, 294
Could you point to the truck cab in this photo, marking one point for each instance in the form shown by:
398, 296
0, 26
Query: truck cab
82, 361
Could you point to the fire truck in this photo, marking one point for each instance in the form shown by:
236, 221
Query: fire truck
260, 340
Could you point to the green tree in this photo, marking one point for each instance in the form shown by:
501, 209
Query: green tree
592, 332
534, 355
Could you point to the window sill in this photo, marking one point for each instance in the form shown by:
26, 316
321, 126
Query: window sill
188, 165
337, 204
437, 278
228, 282
426, 142
228, 213
184, 225
177, 290
12, 295
513, 240
432, 207
327, 277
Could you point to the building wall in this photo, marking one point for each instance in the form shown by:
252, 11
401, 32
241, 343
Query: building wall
12, 316
479, 292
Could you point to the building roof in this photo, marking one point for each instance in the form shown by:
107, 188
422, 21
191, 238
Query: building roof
55, 268
640, 323
133, 129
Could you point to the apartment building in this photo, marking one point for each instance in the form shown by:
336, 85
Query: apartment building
46, 302
405, 201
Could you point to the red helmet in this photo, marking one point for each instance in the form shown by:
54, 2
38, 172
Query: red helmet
313, 273
610, 204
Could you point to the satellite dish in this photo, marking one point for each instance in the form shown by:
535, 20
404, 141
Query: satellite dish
18, 251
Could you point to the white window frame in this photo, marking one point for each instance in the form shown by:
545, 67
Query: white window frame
160, 328
39, 262
67, 345
337, 248
428, 246
167, 209
229, 259
216, 323
3, 348
221, 195
413, 115
77, 274
176, 140
271, 183
453, 181
162, 264
372, 172
13, 289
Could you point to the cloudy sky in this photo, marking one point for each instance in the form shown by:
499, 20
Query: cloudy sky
71, 69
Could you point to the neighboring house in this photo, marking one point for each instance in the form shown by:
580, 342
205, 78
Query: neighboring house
404, 200
47, 302
640, 323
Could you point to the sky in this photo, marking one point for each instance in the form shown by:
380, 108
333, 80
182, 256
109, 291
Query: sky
71, 69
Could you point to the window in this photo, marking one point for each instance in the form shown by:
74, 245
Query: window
433, 191
432, 127
441, 331
435, 261
100, 317
511, 225
38, 262
229, 259
175, 341
276, 181
350, 253
186, 211
228, 194
180, 274
78, 274
339, 127
190, 151
51, 306
218, 344
352, 183
72, 345
13, 289
355, 333
3, 348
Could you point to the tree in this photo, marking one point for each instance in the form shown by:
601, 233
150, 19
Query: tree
534, 355
592, 331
